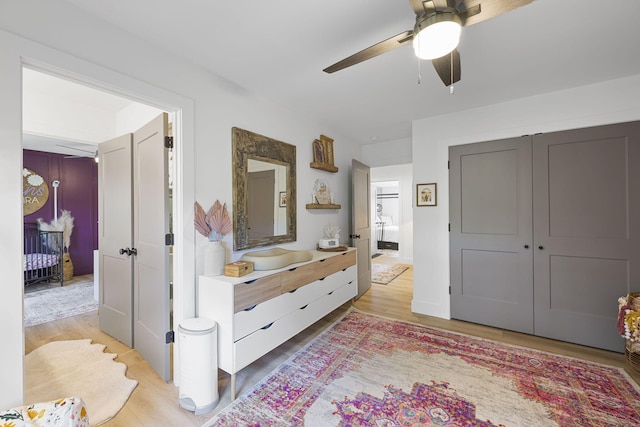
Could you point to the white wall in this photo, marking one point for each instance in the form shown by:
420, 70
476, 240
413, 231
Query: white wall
388, 153
609, 102
404, 175
62, 38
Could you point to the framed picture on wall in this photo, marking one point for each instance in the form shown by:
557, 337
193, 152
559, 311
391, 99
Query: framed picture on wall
283, 199
426, 194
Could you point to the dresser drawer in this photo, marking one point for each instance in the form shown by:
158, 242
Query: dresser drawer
264, 340
256, 291
247, 321
297, 277
329, 266
250, 320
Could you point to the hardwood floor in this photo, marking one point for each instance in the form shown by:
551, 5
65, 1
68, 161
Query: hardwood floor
155, 403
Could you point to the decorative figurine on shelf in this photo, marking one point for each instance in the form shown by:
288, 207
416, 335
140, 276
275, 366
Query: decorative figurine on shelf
321, 193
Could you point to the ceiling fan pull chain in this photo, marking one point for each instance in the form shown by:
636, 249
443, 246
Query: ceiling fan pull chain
452, 89
419, 72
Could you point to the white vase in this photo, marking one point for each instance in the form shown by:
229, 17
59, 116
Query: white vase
214, 258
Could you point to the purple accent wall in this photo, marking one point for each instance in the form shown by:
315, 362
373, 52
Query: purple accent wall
77, 193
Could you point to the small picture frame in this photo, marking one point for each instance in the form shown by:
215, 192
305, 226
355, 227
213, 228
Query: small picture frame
283, 199
426, 194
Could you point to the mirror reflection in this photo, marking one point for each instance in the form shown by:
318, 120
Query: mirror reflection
266, 197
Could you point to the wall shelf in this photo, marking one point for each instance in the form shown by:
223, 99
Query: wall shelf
324, 166
320, 206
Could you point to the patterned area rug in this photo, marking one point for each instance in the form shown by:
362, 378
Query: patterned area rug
370, 371
58, 302
383, 273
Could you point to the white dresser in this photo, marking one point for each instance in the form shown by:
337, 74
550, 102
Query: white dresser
258, 312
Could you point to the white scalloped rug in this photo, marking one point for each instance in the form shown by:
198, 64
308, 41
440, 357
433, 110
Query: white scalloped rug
78, 368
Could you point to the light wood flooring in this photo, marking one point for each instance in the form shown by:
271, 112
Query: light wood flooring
155, 403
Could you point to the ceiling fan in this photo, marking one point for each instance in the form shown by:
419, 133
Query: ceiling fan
436, 33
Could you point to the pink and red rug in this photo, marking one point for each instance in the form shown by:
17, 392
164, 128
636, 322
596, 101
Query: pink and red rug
370, 371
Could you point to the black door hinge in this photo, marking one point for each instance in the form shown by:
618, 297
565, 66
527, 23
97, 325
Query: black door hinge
168, 142
449, 226
448, 164
449, 290
168, 239
170, 337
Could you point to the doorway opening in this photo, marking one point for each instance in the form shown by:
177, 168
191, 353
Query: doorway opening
386, 214
65, 120
391, 215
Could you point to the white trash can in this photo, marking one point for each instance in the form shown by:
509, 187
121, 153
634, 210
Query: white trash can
198, 347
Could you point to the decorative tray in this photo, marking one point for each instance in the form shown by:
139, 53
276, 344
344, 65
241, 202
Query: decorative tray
336, 249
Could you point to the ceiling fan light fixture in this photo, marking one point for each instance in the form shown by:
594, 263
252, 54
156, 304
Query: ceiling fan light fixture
436, 35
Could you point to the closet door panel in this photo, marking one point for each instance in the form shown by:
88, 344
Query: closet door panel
490, 213
586, 191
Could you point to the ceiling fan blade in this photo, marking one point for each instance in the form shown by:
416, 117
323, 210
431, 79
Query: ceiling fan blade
444, 69
372, 51
488, 9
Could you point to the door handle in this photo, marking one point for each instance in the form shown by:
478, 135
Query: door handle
526, 246
354, 236
129, 252
541, 247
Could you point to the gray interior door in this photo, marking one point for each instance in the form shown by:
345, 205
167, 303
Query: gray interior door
361, 222
134, 215
586, 223
260, 204
491, 234
151, 263
115, 232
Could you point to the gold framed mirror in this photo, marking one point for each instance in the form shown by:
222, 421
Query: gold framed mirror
264, 190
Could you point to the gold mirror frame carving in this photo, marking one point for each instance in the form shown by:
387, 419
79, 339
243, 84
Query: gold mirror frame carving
246, 145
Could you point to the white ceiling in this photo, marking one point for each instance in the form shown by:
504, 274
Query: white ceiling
56, 112
278, 48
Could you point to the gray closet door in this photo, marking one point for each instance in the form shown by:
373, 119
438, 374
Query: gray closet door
586, 219
491, 234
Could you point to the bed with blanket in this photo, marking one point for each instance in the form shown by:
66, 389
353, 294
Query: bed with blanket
387, 233
42, 258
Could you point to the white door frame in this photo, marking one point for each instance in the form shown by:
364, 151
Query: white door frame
89, 74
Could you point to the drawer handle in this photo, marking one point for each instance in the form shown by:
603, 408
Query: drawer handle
293, 290
322, 279
345, 269
250, 281
303, 307
293, 269
251, 308
322, 260
331, 293
267, 326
